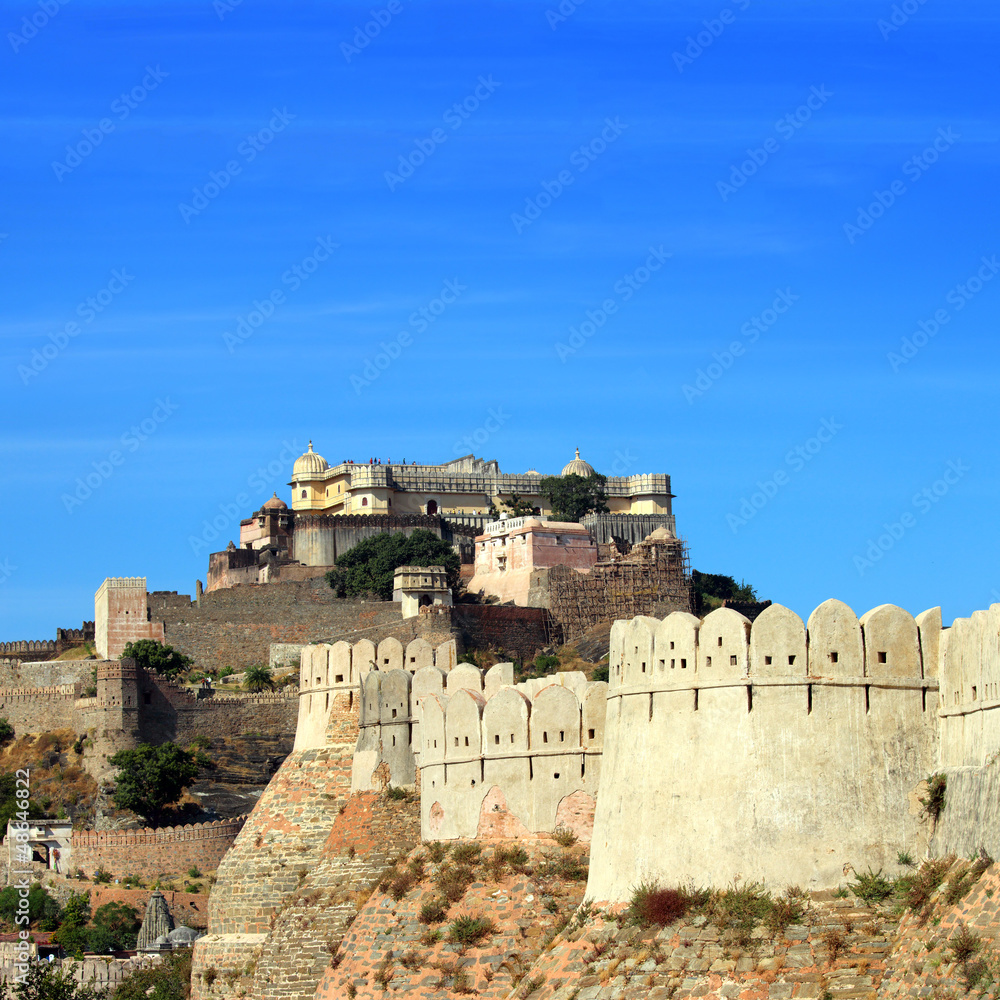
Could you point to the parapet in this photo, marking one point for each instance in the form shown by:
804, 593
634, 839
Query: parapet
499, 759
773, 751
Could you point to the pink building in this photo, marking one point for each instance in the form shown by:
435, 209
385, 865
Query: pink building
509, 550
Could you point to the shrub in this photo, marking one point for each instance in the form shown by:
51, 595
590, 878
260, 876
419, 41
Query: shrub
964, 944
785, 910
467, 854
460, 982
437, 851
209, 976
872, 887
835, 944
433, 911
467, 930
564, 836
974, 973
193, 872
417, 866
453, 880
102, 875
601, 673
905, 859
651, 904
933, 801
400, 883
430, 938
6, 731
395, 794
917, 889
567, 868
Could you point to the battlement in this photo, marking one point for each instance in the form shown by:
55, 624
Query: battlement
498, 759
24, 695
784, 750
123, 583
216, 830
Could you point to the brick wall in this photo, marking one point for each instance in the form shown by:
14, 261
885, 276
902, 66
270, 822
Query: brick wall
149, 853
519, 632
188, 908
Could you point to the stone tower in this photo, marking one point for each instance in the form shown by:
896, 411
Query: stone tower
121, 616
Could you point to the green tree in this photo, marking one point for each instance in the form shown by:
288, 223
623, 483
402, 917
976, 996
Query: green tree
150, 778
711, 589
152, 655
516, 506
369, 566
43, 909
10, 804
72, 933
258, 678
6, 731
45, 982
115, 927
573, 497
169, 980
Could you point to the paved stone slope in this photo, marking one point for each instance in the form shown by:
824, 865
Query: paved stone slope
388, 951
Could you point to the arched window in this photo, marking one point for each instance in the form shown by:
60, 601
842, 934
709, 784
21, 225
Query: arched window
364, 501
432, 507
303, 494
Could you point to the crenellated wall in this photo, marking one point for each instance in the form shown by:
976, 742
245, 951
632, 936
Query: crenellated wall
772, 751
499, 760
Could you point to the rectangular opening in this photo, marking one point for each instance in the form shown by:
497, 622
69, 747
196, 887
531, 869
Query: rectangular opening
868, 697
791, 661
413, 659
590, 733
466, 740
923, 699
643, 666
456, 741
749, 698
339, 678
328, 699
562, 736
809, 699
663, 663
696, 699
435, 744
531, 770
386, 660
394, 713
881, 657
833, 657
732, 661
556, 775
708, 661
394, 741
684, 664
650, 707
545, 737
767, 661
512, 737
720, 640
975, 692
671, 644
672, 664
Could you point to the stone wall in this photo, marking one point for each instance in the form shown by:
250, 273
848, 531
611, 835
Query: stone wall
764, 753
33, 710
44, 649
150, 853
519, 632
44, 673
498, 760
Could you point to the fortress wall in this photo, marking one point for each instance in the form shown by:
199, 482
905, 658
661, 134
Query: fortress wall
766, 751
39, 709
236, 627
498, 760
47, 673
149, 853
518, 632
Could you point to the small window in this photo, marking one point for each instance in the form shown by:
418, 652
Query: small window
394, 716
364, 501
466, 738
590, 734
303, 497
512, 737
496, 739
684, 664
881, 657
791, 661
435, 744
767, 660
413, 659
663, 663
340, 678
720, 640
456, 741
732, 661
643, 666
672, 663
671, 644
545, 737
708, 661
562, 734
833, 657
556, 775
394, 741
386, 660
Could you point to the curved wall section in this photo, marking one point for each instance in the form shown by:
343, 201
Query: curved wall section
762, 752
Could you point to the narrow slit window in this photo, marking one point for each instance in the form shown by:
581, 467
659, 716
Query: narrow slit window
809, 699
868, 697
651, 708
673, 663
496, 739
881, 657
590, 733
749, 698
708, 661
720, 640
466, 740
732, 661
545, 737
834, 657
643, 666
684, 664
696, 699
671, 644
562, 736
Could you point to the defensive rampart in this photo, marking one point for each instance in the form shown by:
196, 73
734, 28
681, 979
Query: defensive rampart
149, 853
498, 760
23, 708
765, 752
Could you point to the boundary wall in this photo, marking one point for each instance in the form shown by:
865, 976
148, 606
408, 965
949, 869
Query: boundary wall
768, 752
499, 760
149, 853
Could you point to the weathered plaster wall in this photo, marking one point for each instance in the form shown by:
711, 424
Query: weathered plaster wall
768, 753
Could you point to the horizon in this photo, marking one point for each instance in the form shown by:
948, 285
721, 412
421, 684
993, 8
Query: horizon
752, 252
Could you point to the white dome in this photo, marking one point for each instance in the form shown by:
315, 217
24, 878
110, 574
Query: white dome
309, 464
578, 467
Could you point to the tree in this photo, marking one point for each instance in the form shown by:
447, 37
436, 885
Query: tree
43, 909
152, 778
45, 982
516, 506
258, 678
6, 731
368, 567
152, 655
170, 980
115, 927
711, 589
11, 805
572, 497
72, 933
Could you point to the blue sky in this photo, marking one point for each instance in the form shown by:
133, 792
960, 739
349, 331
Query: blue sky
237, 138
